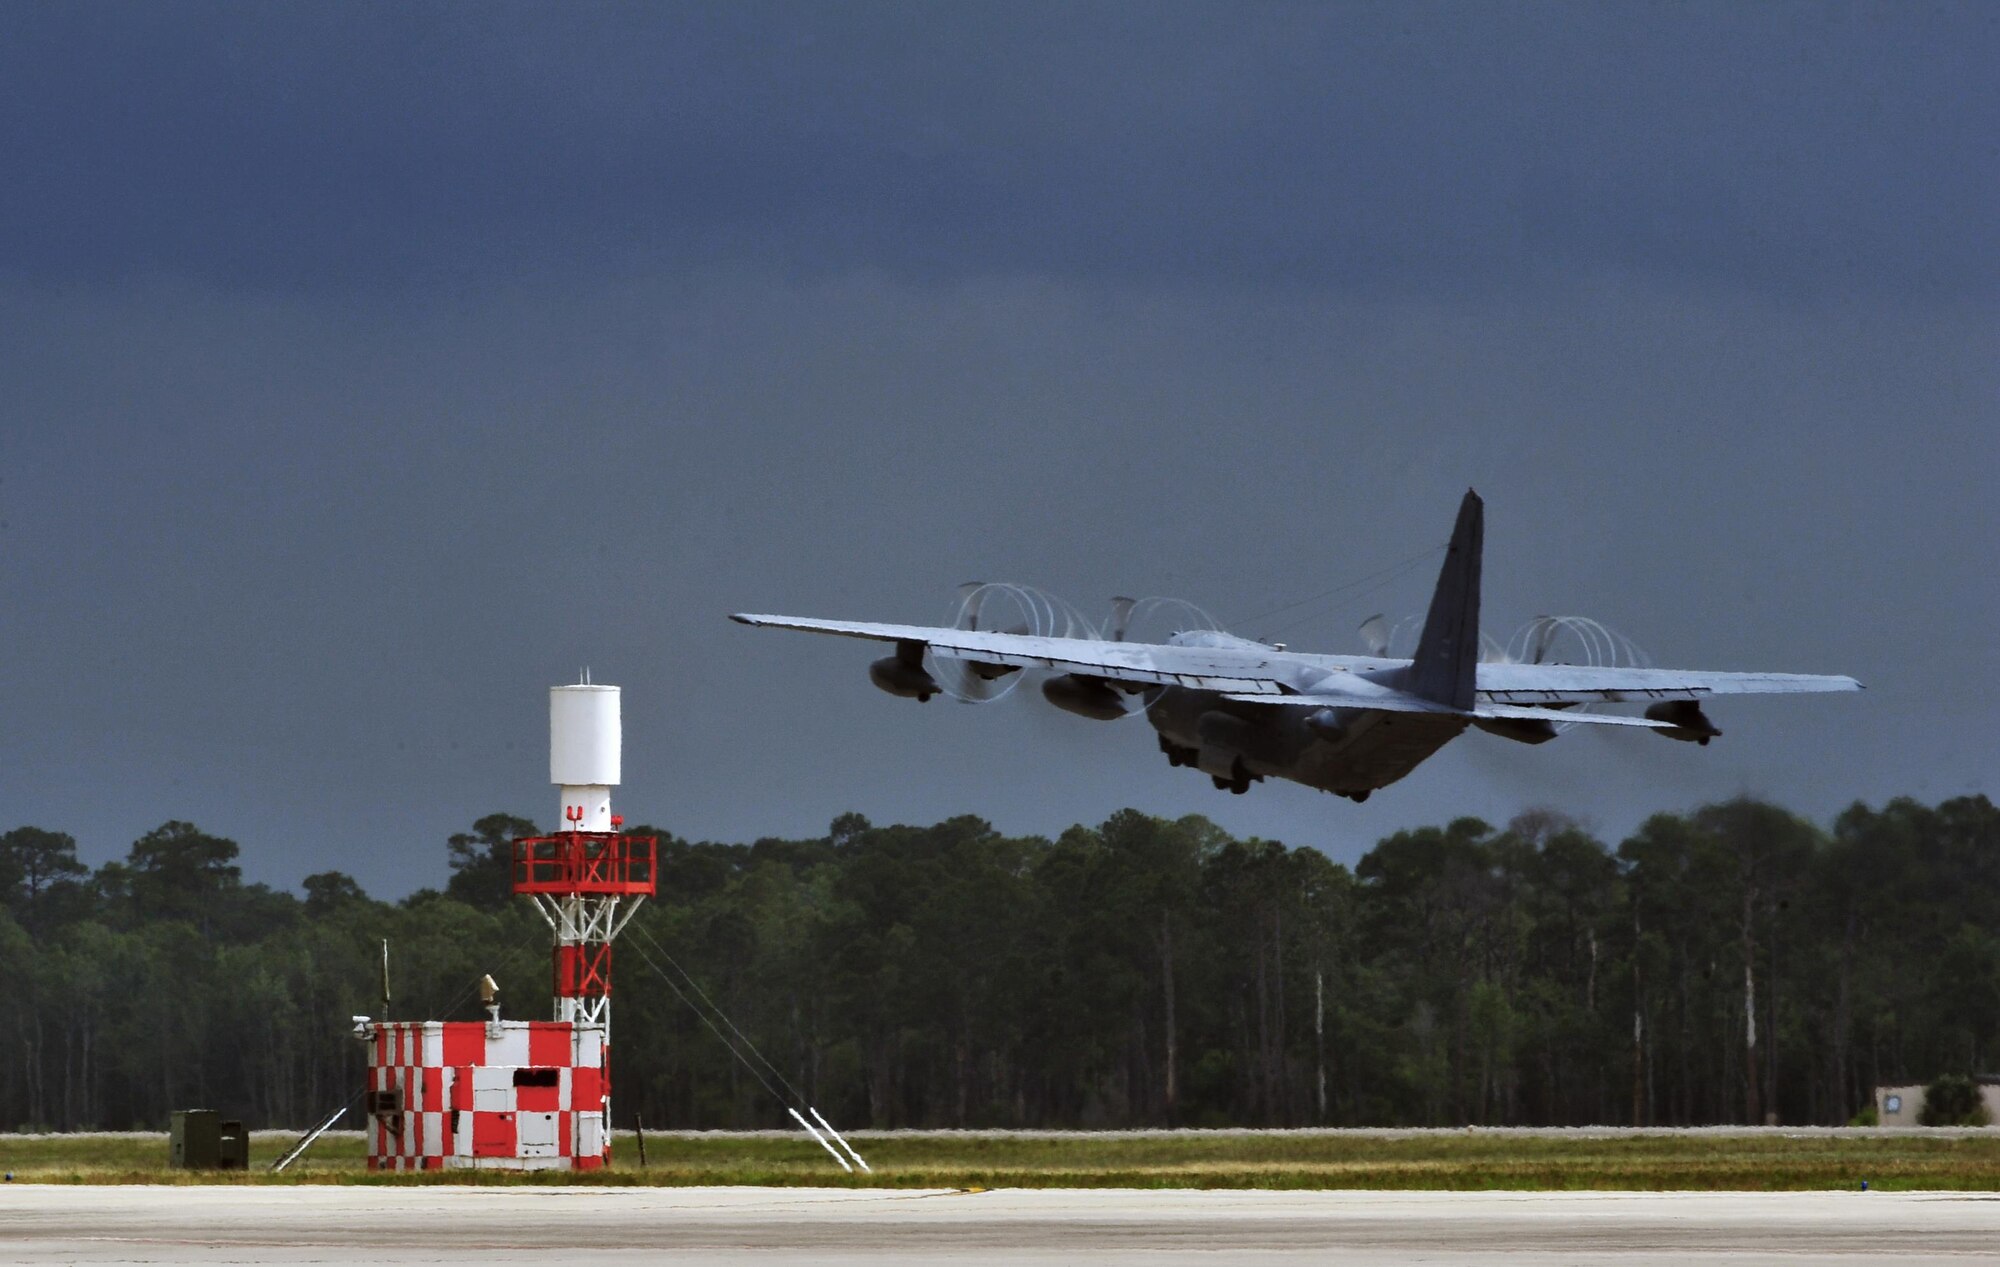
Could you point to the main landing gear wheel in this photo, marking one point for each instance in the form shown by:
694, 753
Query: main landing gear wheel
1357, 797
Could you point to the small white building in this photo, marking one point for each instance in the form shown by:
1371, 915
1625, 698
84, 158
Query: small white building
1901, 1106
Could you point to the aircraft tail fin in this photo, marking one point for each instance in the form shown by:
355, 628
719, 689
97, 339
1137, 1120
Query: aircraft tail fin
1446, 667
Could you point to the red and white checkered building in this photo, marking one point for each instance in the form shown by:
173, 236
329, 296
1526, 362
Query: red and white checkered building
528, 1095
506, 1095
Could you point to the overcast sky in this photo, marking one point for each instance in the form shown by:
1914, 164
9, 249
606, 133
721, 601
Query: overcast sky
368, 369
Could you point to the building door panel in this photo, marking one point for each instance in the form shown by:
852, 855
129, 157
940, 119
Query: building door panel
493, 1135
537, 1134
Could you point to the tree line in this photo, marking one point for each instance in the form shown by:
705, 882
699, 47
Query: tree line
1736, 963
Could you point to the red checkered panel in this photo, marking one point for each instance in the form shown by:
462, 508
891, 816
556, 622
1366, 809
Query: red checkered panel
520, 1094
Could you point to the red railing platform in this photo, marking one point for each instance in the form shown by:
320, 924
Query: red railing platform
590, 863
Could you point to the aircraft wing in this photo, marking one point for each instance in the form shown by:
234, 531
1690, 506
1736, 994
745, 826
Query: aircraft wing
1264, 674
1248, 671
1576, 684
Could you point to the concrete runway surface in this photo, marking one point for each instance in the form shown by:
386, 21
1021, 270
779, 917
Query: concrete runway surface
137, 1224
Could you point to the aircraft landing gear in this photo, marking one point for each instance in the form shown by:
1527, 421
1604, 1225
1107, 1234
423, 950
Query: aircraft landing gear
1357, 797
1176, 755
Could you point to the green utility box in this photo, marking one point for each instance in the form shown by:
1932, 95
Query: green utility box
199, 1139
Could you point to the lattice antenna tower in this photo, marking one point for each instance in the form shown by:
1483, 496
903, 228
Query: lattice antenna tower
590, 878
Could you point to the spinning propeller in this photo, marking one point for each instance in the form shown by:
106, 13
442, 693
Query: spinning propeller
1577, 640
1024, 609
1007, 608
1102, 699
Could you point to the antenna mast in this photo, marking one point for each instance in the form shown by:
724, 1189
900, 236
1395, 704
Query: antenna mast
588, 879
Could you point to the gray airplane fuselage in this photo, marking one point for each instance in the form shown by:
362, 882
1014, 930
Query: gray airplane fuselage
1349, 751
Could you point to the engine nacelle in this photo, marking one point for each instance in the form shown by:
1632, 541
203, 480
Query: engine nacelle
901, 678
1085, 696
1690, 724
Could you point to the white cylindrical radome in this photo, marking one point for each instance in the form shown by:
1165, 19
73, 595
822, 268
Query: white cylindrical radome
584, 736
585, 742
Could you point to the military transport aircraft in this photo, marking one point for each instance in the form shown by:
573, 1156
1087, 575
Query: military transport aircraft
1241, 711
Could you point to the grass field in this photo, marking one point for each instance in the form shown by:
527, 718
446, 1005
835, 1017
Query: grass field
1485, 1159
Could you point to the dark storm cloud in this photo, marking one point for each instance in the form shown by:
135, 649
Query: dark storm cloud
369, 368
1809, 151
